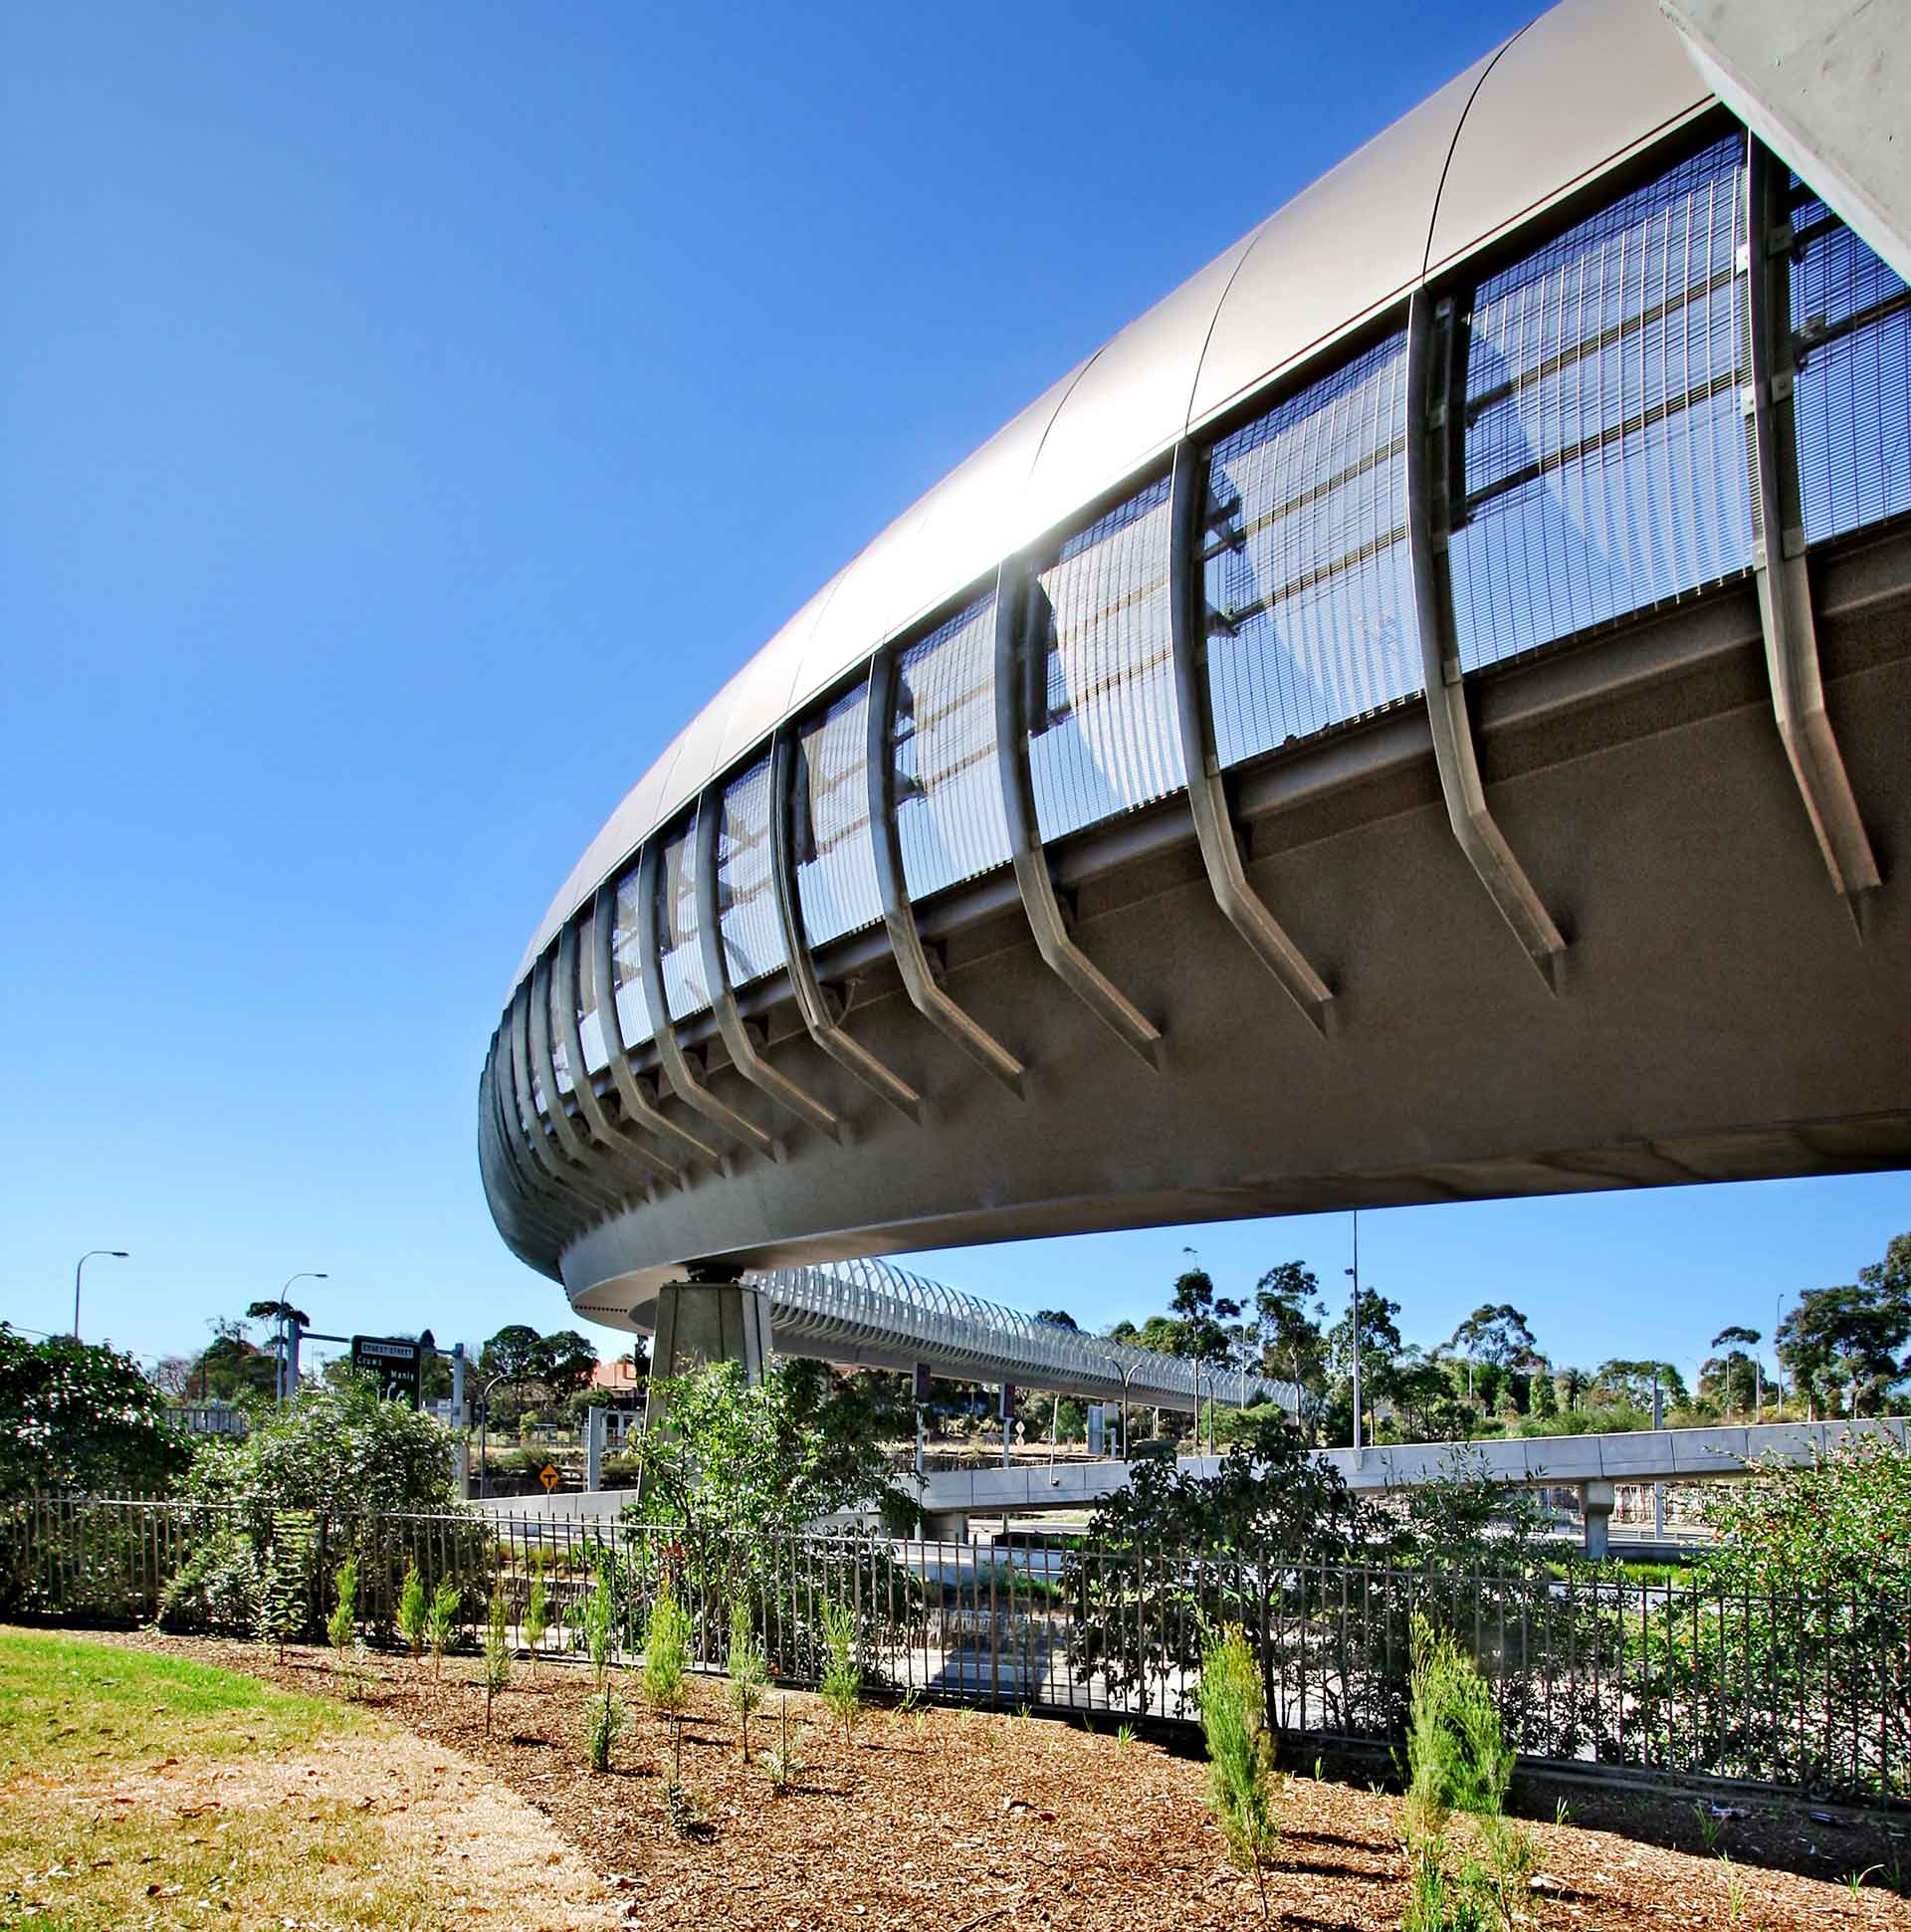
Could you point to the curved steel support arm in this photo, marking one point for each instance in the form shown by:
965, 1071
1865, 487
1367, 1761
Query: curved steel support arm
722, 998
1429, 395
954, 1022
602, 1129
675, 1062
544, 1066
1070, 965
811, 1001
638, 1105
542, 1140
1245, 910
540, 1198
1777, 542
507, 1162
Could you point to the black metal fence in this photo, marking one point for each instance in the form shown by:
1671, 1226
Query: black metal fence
1810, 1690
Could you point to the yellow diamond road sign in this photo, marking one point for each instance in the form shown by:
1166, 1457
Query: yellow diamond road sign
550, 1477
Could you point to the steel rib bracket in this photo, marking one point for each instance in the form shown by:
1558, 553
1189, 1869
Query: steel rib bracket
602, 1129
811, 1002
1245, 910
675, 1062
1778, 545
1064, 958
638, 1105
904, 937
723, 999
1428, 398
539, 1201
541, 1138
507, 1162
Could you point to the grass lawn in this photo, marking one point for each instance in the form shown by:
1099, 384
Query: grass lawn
142, 1789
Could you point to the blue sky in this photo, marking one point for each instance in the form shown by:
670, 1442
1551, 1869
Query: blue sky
408, 415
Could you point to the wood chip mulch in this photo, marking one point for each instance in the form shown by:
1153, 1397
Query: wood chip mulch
976, 1821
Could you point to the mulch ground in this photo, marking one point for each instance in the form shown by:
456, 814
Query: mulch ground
973, 1822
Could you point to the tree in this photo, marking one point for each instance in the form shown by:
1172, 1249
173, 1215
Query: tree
749, 1462
75, 1415
1271, 1506
1854, 1335
513, 1352
1424, 1391
1291, 1342
1569, 1385
1203, 1319
1498, 1334
542, 1369
1059, 1317
232, 1367
172, 1376
1543, 1400
1159, 1332
1632, 1383
1730, 1379
567, 1361
1381, 1345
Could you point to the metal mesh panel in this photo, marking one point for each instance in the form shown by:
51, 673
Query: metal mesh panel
746, 884
1851, 336
835, 868
1102, 731
683, 962
589, 1026
949, 797
1604, 461
633, 1010
560, 1025
1310, 599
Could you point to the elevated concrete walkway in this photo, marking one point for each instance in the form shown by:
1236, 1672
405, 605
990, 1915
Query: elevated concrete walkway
1591, 1465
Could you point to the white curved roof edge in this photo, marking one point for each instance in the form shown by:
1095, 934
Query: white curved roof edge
1574, 93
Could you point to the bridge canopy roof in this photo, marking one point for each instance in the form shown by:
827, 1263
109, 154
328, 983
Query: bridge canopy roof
1570, 95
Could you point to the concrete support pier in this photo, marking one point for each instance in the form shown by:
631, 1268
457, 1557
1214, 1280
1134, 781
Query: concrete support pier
709, 1316
1596, 1505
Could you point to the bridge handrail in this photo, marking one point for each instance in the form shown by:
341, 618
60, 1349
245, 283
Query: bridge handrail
909, 1309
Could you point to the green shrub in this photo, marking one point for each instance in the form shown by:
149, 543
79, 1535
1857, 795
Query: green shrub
748, 1667
440, 1623
603, 1720
414, 1616
842, 1682
600, 1622
536, 1610
666, 1653
1458, 1759
497, 1650
282, 1576
1240, 1752
341, 1627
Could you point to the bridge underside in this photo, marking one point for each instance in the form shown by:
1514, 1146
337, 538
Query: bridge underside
1721, 1015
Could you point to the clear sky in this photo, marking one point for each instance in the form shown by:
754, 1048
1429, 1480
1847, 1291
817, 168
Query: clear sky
408, 416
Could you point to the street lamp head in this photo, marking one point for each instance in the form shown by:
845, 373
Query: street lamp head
118, 1254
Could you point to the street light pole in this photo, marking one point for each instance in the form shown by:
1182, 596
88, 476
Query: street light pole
286, 1340
118, 1254
1777, 1361
1354, 1271
484, 1432
1127, 1376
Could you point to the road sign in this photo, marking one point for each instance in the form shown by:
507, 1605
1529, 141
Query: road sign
550, 1477
393, 1365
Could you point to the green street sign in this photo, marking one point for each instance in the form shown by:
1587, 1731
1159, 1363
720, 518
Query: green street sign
394, 1366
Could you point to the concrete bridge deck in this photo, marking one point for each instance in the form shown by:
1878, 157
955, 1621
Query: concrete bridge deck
1591, 1465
